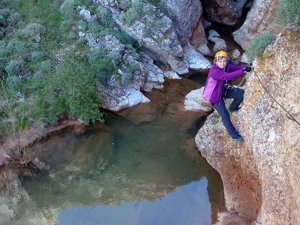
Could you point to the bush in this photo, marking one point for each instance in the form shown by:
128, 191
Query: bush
103, 69
71, 91
68, 8
13, 83
125, 4
34, 31
15, 68
105, 16
37, 56
288, 12
16, 46
46, 66
258, 45
133, 13
154, 2
82, 94
13, 19
2, 20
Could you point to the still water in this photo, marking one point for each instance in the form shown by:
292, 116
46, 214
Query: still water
139, 168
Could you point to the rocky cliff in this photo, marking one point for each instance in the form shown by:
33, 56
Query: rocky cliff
261, 175
260, 19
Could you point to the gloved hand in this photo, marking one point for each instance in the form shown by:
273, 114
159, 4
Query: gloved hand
247, 69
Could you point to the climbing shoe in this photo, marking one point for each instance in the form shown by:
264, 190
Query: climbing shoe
239, 138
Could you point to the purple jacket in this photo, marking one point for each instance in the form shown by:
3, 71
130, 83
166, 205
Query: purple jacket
215, 81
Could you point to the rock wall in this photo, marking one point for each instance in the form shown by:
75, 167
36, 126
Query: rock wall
261, 175
224, 11
185, 15
260, 19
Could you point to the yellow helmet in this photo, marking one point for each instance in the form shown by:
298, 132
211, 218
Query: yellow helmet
221, 54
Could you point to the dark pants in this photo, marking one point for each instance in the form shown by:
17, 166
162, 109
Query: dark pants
238, 95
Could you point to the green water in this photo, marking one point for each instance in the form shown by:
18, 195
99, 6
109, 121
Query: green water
126, 172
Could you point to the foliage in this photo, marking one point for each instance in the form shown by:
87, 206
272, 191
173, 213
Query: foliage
154, 2
102, 66
15, 68
34, 31
288, 12
55, 73
133, 13
105, 16
70, 92
258, 45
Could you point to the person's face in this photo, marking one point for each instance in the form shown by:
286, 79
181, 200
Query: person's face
221, 63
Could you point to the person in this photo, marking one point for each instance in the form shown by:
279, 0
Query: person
217, 89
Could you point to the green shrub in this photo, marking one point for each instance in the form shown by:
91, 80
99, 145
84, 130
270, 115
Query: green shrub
135, 12
154, 2
13, 83
288, 12
15, 68
82, 25
104, 69
37, 56
16, 46
2, 20
258, 45
13, 19
34, 31
116, 57
105, 16
95, 26
70, 92
46, 66
125, 4
5, 12
68, 8
82, 94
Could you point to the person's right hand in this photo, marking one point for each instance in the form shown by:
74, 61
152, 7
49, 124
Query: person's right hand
247, 69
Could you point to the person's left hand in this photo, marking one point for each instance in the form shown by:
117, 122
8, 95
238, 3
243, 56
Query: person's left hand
247, 69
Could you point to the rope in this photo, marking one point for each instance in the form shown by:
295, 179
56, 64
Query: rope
288, 114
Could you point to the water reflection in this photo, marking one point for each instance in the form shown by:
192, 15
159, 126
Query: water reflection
187, 205
141, 167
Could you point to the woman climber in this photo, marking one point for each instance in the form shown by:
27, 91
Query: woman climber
217, 89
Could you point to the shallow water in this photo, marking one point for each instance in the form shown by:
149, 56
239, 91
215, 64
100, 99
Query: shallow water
127, 172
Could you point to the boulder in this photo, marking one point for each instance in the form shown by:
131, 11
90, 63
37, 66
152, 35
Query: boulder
171, 75
195, 102
195, 59
86, 14
199, 40
129, 97
220, 44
